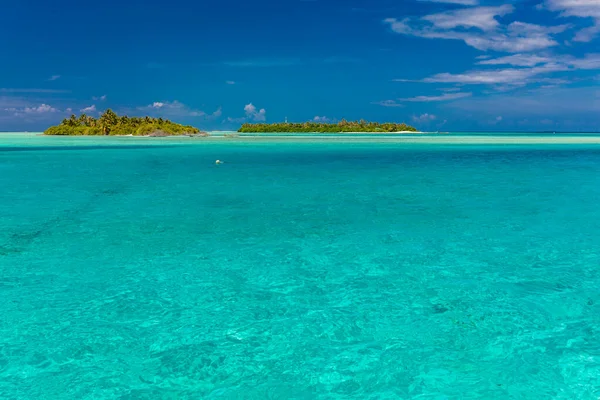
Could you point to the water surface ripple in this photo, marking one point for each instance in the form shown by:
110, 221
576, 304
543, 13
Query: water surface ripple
333, 271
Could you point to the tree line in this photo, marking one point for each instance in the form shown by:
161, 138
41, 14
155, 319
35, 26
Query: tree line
109, 123
322, 127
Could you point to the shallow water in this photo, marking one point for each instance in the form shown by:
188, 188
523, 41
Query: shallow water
298, 271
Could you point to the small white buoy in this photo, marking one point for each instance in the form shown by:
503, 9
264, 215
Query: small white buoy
218, 162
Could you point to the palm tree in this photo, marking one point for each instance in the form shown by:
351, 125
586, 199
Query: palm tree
107, 120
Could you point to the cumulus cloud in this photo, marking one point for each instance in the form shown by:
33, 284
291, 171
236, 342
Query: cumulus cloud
254, 114
443, 97
23, 109
99, 98
479, 27
44, 108
424, 118
321, 119
90, 109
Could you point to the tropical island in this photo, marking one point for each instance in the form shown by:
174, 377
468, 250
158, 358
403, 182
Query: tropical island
321, 127
110, 123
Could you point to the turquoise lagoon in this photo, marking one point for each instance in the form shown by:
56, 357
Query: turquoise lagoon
309, 269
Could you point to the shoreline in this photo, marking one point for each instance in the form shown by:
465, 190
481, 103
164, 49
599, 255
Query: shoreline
35, 139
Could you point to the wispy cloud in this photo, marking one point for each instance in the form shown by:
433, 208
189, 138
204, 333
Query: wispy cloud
99, 98
230, 82
322, 119
387, 103
32, 90
54, 77
483, 18
581, 9
508, 76
177, 109
41, 109
24, 110
561, 103
89, 110
518, 60
535, 70
479, 27
44, 108
452, 89
443, 97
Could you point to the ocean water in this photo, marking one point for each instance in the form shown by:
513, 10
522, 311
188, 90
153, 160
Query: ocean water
141, 270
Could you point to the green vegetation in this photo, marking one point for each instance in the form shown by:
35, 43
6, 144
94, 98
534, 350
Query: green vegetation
320, 127
110, 123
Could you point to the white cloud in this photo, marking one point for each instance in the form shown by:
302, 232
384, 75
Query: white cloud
230, 82
525, 69
44, 108
254, 114
581, 9
478, 27
41, 109
499, 118
589, 62
217, 113
321, 119
54, 77
424, 117
483, 18
454, 89
514, 77
443, 97
575, 8
23, 109
90, 109
99, 98
518, 60
177, 109
509, 76
388, 103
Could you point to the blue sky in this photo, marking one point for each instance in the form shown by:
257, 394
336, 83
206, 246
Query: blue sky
437, 64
